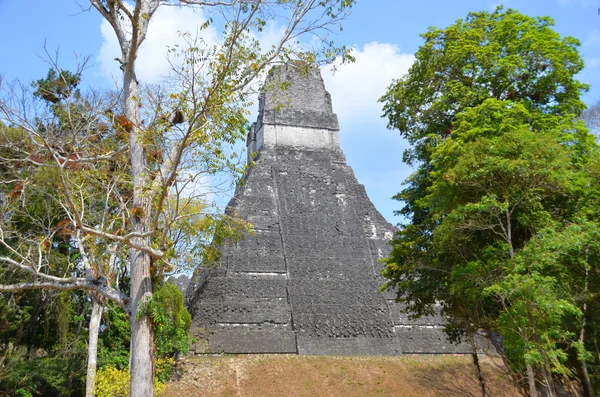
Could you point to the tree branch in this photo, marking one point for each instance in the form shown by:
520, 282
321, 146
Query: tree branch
117, 297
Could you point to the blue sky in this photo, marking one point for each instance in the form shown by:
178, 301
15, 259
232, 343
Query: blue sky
385, 33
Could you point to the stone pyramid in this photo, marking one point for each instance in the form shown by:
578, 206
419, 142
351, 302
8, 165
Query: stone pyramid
307, 281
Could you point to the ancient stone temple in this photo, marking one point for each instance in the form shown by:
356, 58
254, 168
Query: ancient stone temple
307, 281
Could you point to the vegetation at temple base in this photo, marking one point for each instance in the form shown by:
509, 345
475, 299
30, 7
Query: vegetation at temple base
502, 209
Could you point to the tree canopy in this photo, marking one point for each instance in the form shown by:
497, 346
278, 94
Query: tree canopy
503, 55
503, 168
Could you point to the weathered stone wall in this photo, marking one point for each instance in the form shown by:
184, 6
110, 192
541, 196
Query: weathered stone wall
295, 110
307, 281
294, 94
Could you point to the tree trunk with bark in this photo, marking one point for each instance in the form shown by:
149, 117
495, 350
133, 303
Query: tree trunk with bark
141, 359
141, 349
531, 380
548, 388
90, 381
478, 372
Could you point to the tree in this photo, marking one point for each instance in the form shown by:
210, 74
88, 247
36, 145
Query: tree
504, 55
183, 136
34, 213
489, 108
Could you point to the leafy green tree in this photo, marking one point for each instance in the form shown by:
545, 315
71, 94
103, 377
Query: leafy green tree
489, 109
503, 55
171, 321
567, 260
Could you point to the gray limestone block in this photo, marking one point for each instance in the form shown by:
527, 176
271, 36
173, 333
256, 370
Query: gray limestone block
388, 294
245, 341
200, 280
268, 222
295, 94
236, 289
297, 118
262, 243
274, 311
342, 321
331, 225
251, 262
380, 249
312, 269
347, 268
298, 245
335, 292
425, 340
255, 204
348, 346
400, 317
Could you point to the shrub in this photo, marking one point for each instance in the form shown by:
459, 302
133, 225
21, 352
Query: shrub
164, 369
112, 382
171, 321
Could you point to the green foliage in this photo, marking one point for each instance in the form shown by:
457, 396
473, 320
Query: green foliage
503, 55
164, 369
503, 206
170, 320
43, 332
113, 347
44, 376
532, 324
44, 343
57, 85
197, 234
112, 382
78, 203
23, 393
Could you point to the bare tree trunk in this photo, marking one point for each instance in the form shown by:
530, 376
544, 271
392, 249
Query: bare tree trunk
90, 381
141, 354
141, 358
586, 376
475, 357
548, 387
584, 370
531, 381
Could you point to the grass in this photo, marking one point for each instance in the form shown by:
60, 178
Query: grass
292, 375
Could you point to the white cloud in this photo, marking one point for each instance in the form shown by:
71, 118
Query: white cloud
355, 88
270, 35
371, 150
164, 31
